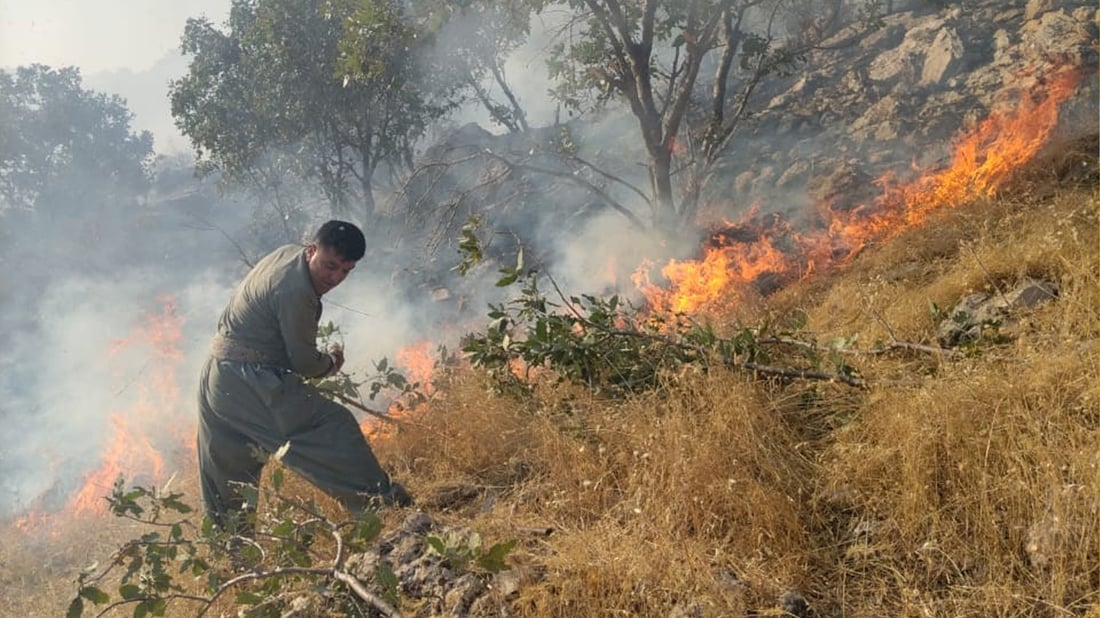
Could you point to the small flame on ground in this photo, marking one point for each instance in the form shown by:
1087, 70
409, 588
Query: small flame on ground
417, 363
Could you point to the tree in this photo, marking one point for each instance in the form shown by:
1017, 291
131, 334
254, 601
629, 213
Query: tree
652, 54
478, 36
61, 144
72, 172
326, 91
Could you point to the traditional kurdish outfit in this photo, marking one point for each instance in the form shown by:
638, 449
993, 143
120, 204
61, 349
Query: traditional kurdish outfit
252, 393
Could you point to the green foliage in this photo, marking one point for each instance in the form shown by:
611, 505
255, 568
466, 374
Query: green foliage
324, 92
347, 387
257, 576
61, 143
610, 346
461, 551
473, 39
469, 245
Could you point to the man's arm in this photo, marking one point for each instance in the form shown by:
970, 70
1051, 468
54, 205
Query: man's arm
298, 327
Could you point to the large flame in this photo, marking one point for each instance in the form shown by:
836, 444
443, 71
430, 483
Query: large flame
138, 431
983, 160
142, 432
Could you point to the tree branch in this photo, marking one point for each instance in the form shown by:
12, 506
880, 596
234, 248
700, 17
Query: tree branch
621, 209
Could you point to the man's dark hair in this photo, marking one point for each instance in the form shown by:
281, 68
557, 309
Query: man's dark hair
343, 237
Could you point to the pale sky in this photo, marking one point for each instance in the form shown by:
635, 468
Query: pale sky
97, 35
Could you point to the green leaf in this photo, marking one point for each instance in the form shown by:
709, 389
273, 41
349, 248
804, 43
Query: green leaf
248, 598
172, 502
129, 592
95, 595
368, 528
76, 608
437, 544
387, 579
493, 560
277, 479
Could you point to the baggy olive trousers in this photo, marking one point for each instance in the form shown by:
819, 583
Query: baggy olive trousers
243, 406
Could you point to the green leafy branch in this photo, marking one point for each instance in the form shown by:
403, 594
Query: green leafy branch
347, 388
154, 561
606, 344
463, 550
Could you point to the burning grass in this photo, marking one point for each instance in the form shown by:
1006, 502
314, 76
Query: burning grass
963, 486
951, 486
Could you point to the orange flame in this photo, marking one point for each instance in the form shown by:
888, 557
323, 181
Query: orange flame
983, 160
418, 365
738, 253
132, 449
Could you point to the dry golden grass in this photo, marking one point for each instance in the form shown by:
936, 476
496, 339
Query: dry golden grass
950, 487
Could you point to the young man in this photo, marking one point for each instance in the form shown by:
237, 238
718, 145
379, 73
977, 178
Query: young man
253, 390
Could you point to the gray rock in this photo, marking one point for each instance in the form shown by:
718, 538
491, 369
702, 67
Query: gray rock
968, 320
943, 57
1057, 35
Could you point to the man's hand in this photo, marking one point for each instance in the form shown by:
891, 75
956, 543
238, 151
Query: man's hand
336, 351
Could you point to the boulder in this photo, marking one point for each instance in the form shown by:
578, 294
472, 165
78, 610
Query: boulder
943, 57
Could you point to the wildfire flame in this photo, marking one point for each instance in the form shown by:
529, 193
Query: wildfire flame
132, 450
135, 448
418, 365
739, 254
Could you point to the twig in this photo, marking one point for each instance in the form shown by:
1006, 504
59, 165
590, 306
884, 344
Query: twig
895, 345
978, 261
787, 372
535, 530
875, 315
612, 202
358, 406
360, 591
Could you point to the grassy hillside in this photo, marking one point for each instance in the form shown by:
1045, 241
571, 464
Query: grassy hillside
953, 485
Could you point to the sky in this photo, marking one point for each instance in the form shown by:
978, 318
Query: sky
97, 35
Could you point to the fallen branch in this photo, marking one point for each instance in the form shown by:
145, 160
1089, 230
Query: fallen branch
535, 530
805, 374
896, 345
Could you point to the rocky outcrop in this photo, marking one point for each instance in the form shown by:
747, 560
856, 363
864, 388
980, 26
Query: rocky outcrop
863, 105
900, 94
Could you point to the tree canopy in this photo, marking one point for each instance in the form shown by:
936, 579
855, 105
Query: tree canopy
652, 55
325, 91
61, 143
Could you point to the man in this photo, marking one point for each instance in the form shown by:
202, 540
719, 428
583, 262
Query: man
253, 390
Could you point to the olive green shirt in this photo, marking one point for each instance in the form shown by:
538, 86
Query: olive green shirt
273, 315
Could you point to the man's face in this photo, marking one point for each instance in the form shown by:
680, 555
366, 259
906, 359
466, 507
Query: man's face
327, 268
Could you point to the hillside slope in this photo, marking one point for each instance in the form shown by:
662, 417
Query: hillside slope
961, 483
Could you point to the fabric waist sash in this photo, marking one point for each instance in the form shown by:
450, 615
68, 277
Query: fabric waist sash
226, 348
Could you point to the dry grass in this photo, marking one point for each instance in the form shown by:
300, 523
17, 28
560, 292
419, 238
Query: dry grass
950, 487
963, 487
